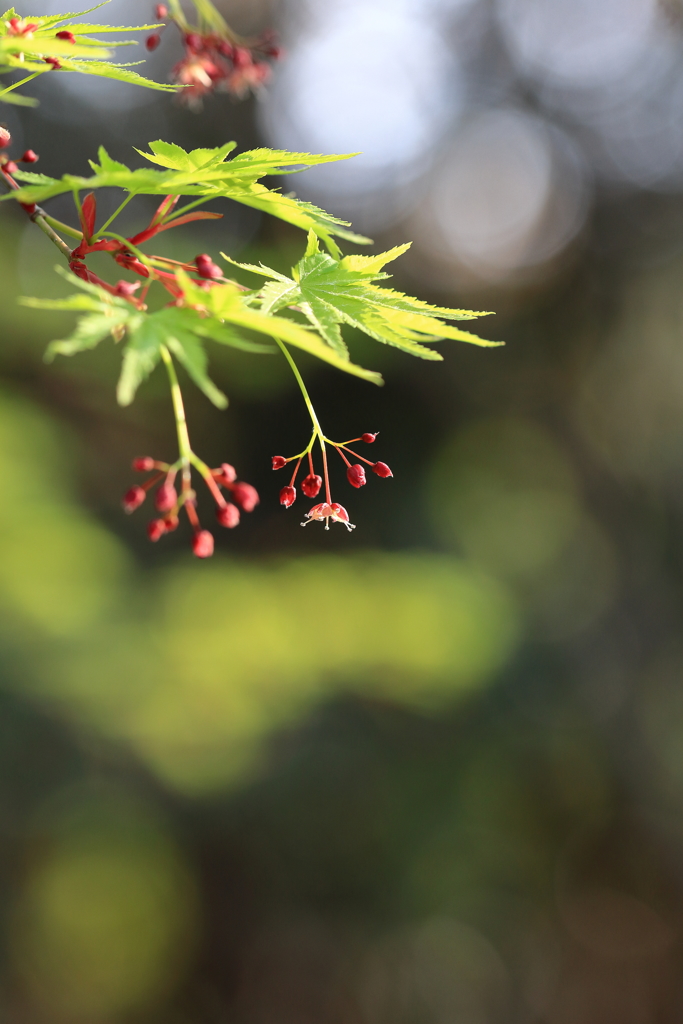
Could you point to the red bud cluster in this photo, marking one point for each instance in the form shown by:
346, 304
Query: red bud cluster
207, 268
216, 63
168, 502
312, 484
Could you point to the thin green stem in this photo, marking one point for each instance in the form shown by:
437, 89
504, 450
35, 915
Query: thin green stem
178, 408
23, 81
147, 260
114, 216
66, 228
309, 405
39, 219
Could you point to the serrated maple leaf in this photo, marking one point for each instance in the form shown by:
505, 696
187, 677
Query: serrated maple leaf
331, 292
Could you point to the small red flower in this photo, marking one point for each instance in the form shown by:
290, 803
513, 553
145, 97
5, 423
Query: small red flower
151, 42
156, 529
279, 461
143, 464
5, 138
368, 438
29, 157
226, 475
329, 510
69, 37
381, 469
287, 496
245, 495
56, 65
166, 498
202, 544
311, 485
133, 498
228, 515
207, 268
9, 167
171, 523
356, 476
161, 12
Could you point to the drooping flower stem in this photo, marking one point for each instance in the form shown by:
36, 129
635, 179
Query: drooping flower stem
317, 429
184, 448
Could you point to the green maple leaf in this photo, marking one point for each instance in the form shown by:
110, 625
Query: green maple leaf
228, 305
86, 55
205, 172
332, 292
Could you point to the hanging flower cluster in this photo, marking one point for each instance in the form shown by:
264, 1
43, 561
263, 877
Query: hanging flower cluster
168, 502
217, 60
312, 483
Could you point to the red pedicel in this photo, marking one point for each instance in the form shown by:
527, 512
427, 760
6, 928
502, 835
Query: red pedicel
228, 516
143, 464
166, 498
311, 485
151, 42
202, 544
368, 438
279, 461
381, 469
29, 157
5, 138
356, 475
156, 529
287, 496
132, 499
245, 495
66, 35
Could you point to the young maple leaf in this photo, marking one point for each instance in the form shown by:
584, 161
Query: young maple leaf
330, 292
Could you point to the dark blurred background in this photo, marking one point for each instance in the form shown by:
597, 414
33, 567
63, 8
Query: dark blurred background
430, 772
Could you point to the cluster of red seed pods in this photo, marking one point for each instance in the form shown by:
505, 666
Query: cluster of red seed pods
168, 503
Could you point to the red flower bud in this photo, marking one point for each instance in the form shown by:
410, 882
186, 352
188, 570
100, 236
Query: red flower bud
194, 41
165, 498
5, 138
311, 485
10, 167
245, 495
287, 496
356, 475
161, 12
132, 499
228, 474
206, 267
126, 289
242, 57
171, 523
368, 438
56, 65
202, 544
143, 464
226, 49
66, 35
156, 529
29, 157
279, 462
381, 469
228, 516
151, 42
